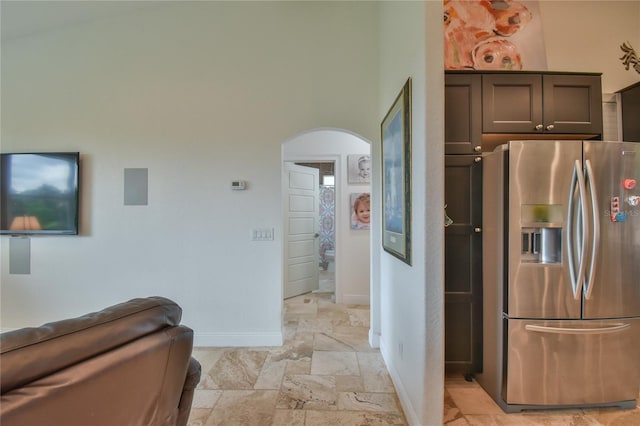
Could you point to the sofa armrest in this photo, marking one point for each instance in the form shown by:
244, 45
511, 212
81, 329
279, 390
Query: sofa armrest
186, 400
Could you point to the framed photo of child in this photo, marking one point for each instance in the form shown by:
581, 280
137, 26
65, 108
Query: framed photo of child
359, 168
360, 210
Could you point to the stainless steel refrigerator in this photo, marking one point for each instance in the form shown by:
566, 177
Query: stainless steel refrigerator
561, 274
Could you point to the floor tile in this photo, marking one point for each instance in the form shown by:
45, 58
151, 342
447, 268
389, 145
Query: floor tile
331, 342
198, 416
466, 403
307, 392
352, 418
614, 416
289, 417
244, 408
375, 376
321, 325
299, 366
349, 384
237, 369
521, 420
205, 398
334, 363
270, 377
358, 317
368, 401
474, 401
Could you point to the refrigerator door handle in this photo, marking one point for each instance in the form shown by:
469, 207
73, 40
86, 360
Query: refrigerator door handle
577, 281
596, 230
615, 328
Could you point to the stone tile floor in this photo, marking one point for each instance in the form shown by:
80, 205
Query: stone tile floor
466, 403
326, 374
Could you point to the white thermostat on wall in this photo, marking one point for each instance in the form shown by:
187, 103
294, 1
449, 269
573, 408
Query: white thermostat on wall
237, 184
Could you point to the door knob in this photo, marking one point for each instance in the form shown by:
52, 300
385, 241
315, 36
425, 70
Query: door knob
316, 235
477, 230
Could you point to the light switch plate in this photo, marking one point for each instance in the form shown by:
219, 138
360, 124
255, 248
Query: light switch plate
262, 234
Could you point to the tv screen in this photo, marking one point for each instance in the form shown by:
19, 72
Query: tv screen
39, 193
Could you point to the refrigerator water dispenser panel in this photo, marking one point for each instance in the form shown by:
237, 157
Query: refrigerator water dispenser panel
541, 245
541, 233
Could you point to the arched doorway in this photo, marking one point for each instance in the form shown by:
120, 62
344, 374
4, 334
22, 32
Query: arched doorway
351, 250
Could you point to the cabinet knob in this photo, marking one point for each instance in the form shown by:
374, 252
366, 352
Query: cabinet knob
539, 127
477, 148
477, 230
477, 159
550, 127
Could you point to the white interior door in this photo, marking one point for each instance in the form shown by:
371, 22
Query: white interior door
301, 229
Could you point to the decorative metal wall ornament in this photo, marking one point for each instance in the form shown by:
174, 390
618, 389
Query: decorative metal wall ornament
630, 57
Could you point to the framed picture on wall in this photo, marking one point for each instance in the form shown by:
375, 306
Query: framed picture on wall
359, 168
360, 210
396, 176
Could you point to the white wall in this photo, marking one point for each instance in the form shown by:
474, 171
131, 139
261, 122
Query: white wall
412, 297
586, 36
200, 93
352, 246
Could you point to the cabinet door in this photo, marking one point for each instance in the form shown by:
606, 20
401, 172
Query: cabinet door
630, 101
512, 103
463, 264
572, 104
463, 112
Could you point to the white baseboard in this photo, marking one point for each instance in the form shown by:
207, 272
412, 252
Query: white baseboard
403, 396
237, 339
374, 339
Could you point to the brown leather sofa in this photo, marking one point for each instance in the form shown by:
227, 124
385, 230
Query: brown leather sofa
129, 364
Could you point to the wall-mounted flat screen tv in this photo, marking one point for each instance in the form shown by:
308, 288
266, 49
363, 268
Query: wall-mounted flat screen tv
39, 193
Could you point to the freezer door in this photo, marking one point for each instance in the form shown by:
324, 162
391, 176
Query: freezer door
572, 362
539, 283
613, 283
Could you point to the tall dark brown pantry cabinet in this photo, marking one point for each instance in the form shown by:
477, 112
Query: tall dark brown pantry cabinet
463, 238
463, 264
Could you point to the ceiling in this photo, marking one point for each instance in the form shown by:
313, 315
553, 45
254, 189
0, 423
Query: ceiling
21, 18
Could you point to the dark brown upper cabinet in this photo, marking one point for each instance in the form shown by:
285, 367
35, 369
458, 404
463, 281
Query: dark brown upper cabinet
463, 113
550, 103
629, 101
